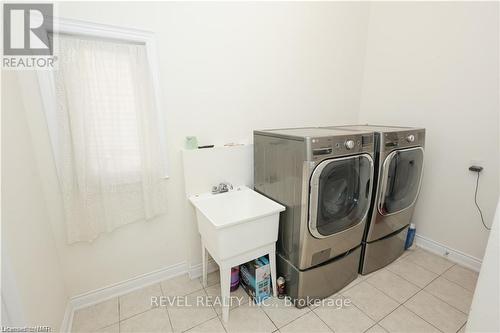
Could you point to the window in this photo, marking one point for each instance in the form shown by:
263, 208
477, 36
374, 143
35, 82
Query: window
107, 136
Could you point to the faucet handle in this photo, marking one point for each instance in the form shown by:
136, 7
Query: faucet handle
223, 187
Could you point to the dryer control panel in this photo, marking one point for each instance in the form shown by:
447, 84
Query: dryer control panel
403, 139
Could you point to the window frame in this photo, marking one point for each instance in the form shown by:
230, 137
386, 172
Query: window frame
104, 32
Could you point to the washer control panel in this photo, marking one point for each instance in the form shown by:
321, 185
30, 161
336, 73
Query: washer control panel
341, 145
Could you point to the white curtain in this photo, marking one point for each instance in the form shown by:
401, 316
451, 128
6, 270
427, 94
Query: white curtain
108, 149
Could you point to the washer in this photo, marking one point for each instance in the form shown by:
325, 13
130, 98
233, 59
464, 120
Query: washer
399, 158
324, 178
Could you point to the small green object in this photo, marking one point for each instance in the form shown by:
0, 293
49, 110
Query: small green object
191, 142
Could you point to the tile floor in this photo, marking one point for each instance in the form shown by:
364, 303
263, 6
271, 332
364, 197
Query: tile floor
420, 292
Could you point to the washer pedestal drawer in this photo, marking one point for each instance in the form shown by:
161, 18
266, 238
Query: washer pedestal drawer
382, 252
320, 281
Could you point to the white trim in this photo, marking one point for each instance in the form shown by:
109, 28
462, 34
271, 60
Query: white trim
118, 289
95, 30
121, 288
449, 253
79, 27
67, 319
196, 270
12, 310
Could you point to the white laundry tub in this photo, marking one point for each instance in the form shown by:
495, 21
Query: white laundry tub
236, 221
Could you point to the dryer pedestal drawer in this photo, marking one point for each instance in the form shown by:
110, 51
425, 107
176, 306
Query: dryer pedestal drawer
383, 251
321, 281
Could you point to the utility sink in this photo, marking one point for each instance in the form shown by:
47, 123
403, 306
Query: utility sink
236, 221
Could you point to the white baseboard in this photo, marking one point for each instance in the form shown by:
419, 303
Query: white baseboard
449, 253
118, 289
196, 270
67, 319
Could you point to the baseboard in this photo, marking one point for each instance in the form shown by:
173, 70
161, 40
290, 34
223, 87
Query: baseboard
196, 270
67, 319
449, 253
118, 289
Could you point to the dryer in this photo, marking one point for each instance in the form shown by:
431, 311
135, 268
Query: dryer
399, 158
324, 178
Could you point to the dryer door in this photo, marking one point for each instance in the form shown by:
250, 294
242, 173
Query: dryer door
402, 173
339, 194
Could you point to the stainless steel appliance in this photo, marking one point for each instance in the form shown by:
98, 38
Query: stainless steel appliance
324, 177
399, 158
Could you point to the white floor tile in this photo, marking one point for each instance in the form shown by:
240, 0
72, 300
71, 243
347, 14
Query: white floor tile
412, 272
180, 286
138, 301
152, 321
281, 311
371, 301
115, 328
393, 285
347, 318
211, 326
192, 312
429, 261
403, 320
309, 322
249, 318
462, 276
436, 312
376, 329
451, 293
96, 316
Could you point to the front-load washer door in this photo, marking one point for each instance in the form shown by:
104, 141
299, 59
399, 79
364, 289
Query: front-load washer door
340, 194
402, 173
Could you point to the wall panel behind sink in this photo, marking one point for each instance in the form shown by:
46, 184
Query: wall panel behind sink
204, 168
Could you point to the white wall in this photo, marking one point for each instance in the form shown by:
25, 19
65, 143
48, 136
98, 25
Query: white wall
226, 69
28, 245
436, 65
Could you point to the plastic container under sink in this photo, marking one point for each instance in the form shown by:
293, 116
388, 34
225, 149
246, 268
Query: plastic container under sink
235, 278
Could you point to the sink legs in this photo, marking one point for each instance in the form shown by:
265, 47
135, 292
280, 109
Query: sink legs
272, 263
204, 260
225, 288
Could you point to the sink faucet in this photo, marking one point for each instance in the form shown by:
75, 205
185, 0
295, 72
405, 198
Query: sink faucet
222, 188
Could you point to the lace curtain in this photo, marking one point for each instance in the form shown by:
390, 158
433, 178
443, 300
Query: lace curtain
108, 150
